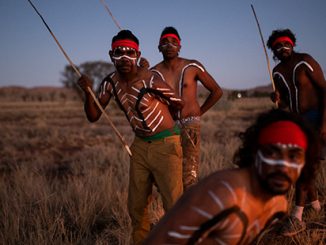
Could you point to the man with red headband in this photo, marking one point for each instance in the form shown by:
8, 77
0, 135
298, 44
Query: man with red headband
182, 75
146, 101
301, 88
233, 206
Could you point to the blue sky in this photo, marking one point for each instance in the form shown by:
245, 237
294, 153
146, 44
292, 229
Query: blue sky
221, 34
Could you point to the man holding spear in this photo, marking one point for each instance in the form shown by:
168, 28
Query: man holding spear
301, 88
148, 103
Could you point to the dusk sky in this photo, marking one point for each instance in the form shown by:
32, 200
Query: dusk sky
221, 34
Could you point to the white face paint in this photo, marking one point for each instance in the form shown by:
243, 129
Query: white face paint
124, 56
283, 48
124, 52
169, 45
273, 162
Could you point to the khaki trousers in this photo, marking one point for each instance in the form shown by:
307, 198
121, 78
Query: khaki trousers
159, 161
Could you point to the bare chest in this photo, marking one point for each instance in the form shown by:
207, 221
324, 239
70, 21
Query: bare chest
132, 97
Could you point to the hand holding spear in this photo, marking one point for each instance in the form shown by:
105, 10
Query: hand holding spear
88, 88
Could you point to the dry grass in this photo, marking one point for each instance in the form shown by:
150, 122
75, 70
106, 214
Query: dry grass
64, 180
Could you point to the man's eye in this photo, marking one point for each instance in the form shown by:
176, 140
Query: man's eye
270, 153
295, 156
117, 52
131, 53
287, 44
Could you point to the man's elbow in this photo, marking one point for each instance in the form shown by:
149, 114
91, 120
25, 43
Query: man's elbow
92, 117
217, 93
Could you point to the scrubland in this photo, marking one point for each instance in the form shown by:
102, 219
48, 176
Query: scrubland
64, 180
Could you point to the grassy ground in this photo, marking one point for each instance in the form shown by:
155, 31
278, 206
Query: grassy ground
64, 180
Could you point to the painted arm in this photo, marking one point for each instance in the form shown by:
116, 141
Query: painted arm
317, 76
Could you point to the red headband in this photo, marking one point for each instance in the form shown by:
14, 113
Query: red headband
170, 35
125, 43
283, 39
283, 132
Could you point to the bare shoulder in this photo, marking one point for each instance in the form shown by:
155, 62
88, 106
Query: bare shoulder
191, 61
304, 56
222, 185
158, 66
195, 64
310, 61
308, 58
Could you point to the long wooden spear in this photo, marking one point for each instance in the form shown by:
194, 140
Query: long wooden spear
266, 54
110, 13
79, 74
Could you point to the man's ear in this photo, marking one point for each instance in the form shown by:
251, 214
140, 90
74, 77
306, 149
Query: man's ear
110, 54
159, 48
138, 56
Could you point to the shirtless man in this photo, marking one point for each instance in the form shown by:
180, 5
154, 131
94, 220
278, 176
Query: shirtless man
301, 88
182, 75
156, 151
233, 206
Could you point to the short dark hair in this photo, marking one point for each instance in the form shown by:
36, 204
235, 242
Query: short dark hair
170, 30
245, 155
280, 33
125, 34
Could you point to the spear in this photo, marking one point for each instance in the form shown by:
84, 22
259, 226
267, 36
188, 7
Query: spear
79, 75
110, 13
266, 55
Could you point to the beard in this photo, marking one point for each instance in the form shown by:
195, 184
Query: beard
268, 183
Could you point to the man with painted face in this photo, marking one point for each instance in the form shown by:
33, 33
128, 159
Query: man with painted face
301, 88
233, 206
156, 151
182, 75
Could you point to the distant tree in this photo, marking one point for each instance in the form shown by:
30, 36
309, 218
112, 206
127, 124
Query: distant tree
96, 70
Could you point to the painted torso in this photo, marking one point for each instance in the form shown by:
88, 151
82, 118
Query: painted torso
183, 79
144, 103
293, 79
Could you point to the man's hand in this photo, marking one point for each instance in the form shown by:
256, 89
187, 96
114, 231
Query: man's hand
174, 113
275, 97
84, 83
143, 63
